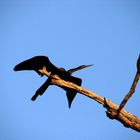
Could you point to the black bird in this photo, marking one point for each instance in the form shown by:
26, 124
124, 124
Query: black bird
38, 62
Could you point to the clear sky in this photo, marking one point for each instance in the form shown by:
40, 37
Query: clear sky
105, 33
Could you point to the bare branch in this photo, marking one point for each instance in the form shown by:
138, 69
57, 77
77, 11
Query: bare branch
126, 118
130, 93
132, 89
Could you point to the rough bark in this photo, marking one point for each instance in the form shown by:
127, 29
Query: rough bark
126, 118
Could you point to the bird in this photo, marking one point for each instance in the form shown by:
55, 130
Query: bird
38, 62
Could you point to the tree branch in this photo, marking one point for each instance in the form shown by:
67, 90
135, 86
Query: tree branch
132, 89
130, 93
126, 118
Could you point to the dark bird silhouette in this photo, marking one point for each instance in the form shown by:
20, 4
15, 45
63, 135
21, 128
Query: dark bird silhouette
38, 62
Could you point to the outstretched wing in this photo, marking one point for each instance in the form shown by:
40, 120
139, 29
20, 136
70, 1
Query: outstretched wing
38, 62
78, 68
42, 89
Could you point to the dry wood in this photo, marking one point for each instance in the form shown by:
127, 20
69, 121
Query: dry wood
126, 118
130, 93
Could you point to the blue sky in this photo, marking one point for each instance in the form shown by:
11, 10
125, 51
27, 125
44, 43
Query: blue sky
105, 33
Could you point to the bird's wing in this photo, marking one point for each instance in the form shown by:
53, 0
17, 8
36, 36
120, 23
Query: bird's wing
36, 63
42, 89
29, 64
78, 68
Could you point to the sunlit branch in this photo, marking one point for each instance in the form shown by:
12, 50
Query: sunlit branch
126, 118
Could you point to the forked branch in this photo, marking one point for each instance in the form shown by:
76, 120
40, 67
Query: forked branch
126, 118
113, 111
